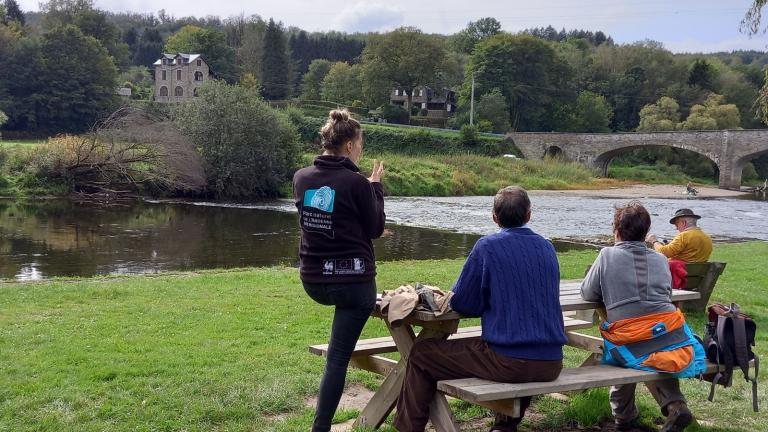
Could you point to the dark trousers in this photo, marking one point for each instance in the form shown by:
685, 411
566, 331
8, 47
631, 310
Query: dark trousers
433, 360
354, 303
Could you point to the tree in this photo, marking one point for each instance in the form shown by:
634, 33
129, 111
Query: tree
275, 65
251, 149
149, 47
403, 58
713, 115
751, 22
211, 44
702, 74
249, 81
3, 119
528, 73
251, 50
341, 84
660, 116
493, 107
90, 21
476, 31
313, 79
13, 12
589, 113
80, 81
96, 23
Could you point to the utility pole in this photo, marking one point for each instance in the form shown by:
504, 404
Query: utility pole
472, 102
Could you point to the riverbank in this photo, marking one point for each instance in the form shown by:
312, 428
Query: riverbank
226, 350
640, 191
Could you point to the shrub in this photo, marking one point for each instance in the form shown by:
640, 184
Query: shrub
394, 114
469, 135
250, 148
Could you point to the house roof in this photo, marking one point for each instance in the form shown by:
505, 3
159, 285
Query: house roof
189, 57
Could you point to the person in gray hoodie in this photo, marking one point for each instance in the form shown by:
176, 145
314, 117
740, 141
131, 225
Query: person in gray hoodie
633, 281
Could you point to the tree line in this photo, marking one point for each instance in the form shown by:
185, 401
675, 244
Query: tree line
71, 54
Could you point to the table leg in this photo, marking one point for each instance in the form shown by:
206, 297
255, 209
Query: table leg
383, 401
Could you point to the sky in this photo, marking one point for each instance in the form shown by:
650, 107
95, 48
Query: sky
681, 25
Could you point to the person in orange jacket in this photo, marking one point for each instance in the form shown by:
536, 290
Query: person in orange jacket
641, 327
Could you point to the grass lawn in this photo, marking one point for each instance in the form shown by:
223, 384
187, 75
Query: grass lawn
24, 143
227, 350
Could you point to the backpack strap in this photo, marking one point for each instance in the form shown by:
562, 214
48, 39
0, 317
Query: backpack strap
742, 354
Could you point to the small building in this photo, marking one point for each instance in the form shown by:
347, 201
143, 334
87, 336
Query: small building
123, 92
438, 104
178, 76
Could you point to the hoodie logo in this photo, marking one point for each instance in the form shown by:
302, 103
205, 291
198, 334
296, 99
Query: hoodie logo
321, 199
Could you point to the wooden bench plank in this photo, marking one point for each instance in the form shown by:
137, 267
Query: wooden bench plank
478, 390
373, 346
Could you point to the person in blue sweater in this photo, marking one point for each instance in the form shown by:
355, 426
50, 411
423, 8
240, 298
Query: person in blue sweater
511, 280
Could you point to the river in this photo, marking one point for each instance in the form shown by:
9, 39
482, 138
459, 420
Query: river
47, 238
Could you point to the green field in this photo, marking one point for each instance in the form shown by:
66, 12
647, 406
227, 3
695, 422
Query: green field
227, 350
19, 143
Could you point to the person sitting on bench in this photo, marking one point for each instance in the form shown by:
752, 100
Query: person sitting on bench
641, 327
692, 245
511, 280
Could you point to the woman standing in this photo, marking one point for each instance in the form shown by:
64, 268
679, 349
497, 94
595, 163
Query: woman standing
340, 212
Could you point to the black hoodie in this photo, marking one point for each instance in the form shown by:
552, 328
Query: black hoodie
340, 212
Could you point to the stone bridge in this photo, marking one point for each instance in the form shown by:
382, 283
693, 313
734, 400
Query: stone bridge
730, 150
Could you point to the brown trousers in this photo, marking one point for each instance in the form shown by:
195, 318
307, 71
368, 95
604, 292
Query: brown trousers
433, 360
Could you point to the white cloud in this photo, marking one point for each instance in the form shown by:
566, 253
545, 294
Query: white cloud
364, 16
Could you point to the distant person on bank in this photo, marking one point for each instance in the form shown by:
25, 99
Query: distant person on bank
340, 212
511, 280
692, 245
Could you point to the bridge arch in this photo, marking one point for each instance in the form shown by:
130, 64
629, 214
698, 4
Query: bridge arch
554, 152
603, 161
730, 150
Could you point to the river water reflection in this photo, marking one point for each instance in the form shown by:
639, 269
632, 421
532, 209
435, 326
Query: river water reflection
41, 239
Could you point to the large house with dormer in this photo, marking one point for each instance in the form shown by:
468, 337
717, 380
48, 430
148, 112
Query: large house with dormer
178, 76
432, 103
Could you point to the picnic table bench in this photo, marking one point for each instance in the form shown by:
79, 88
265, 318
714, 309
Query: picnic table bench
501, 397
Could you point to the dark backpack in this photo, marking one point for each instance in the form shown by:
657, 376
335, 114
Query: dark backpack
728, 342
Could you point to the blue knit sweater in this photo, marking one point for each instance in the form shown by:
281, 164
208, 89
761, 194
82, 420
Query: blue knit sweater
512, 281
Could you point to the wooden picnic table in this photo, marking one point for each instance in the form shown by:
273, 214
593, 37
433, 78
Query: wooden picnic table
383, 401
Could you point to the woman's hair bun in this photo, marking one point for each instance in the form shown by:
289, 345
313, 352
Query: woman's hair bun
339, 128
339, 115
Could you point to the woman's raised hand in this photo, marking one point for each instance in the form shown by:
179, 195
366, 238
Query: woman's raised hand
378, 171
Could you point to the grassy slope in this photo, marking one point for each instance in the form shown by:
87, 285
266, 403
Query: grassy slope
463, 174
227, 350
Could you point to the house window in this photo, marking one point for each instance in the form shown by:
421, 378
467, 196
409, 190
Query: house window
421, 92
165, 77
199, 62
397, 92
178, 74
449, 107
178, 91
423, 105
163, 91
198, 76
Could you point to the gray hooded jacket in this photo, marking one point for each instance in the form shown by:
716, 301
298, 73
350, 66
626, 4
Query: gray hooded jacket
630, 280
